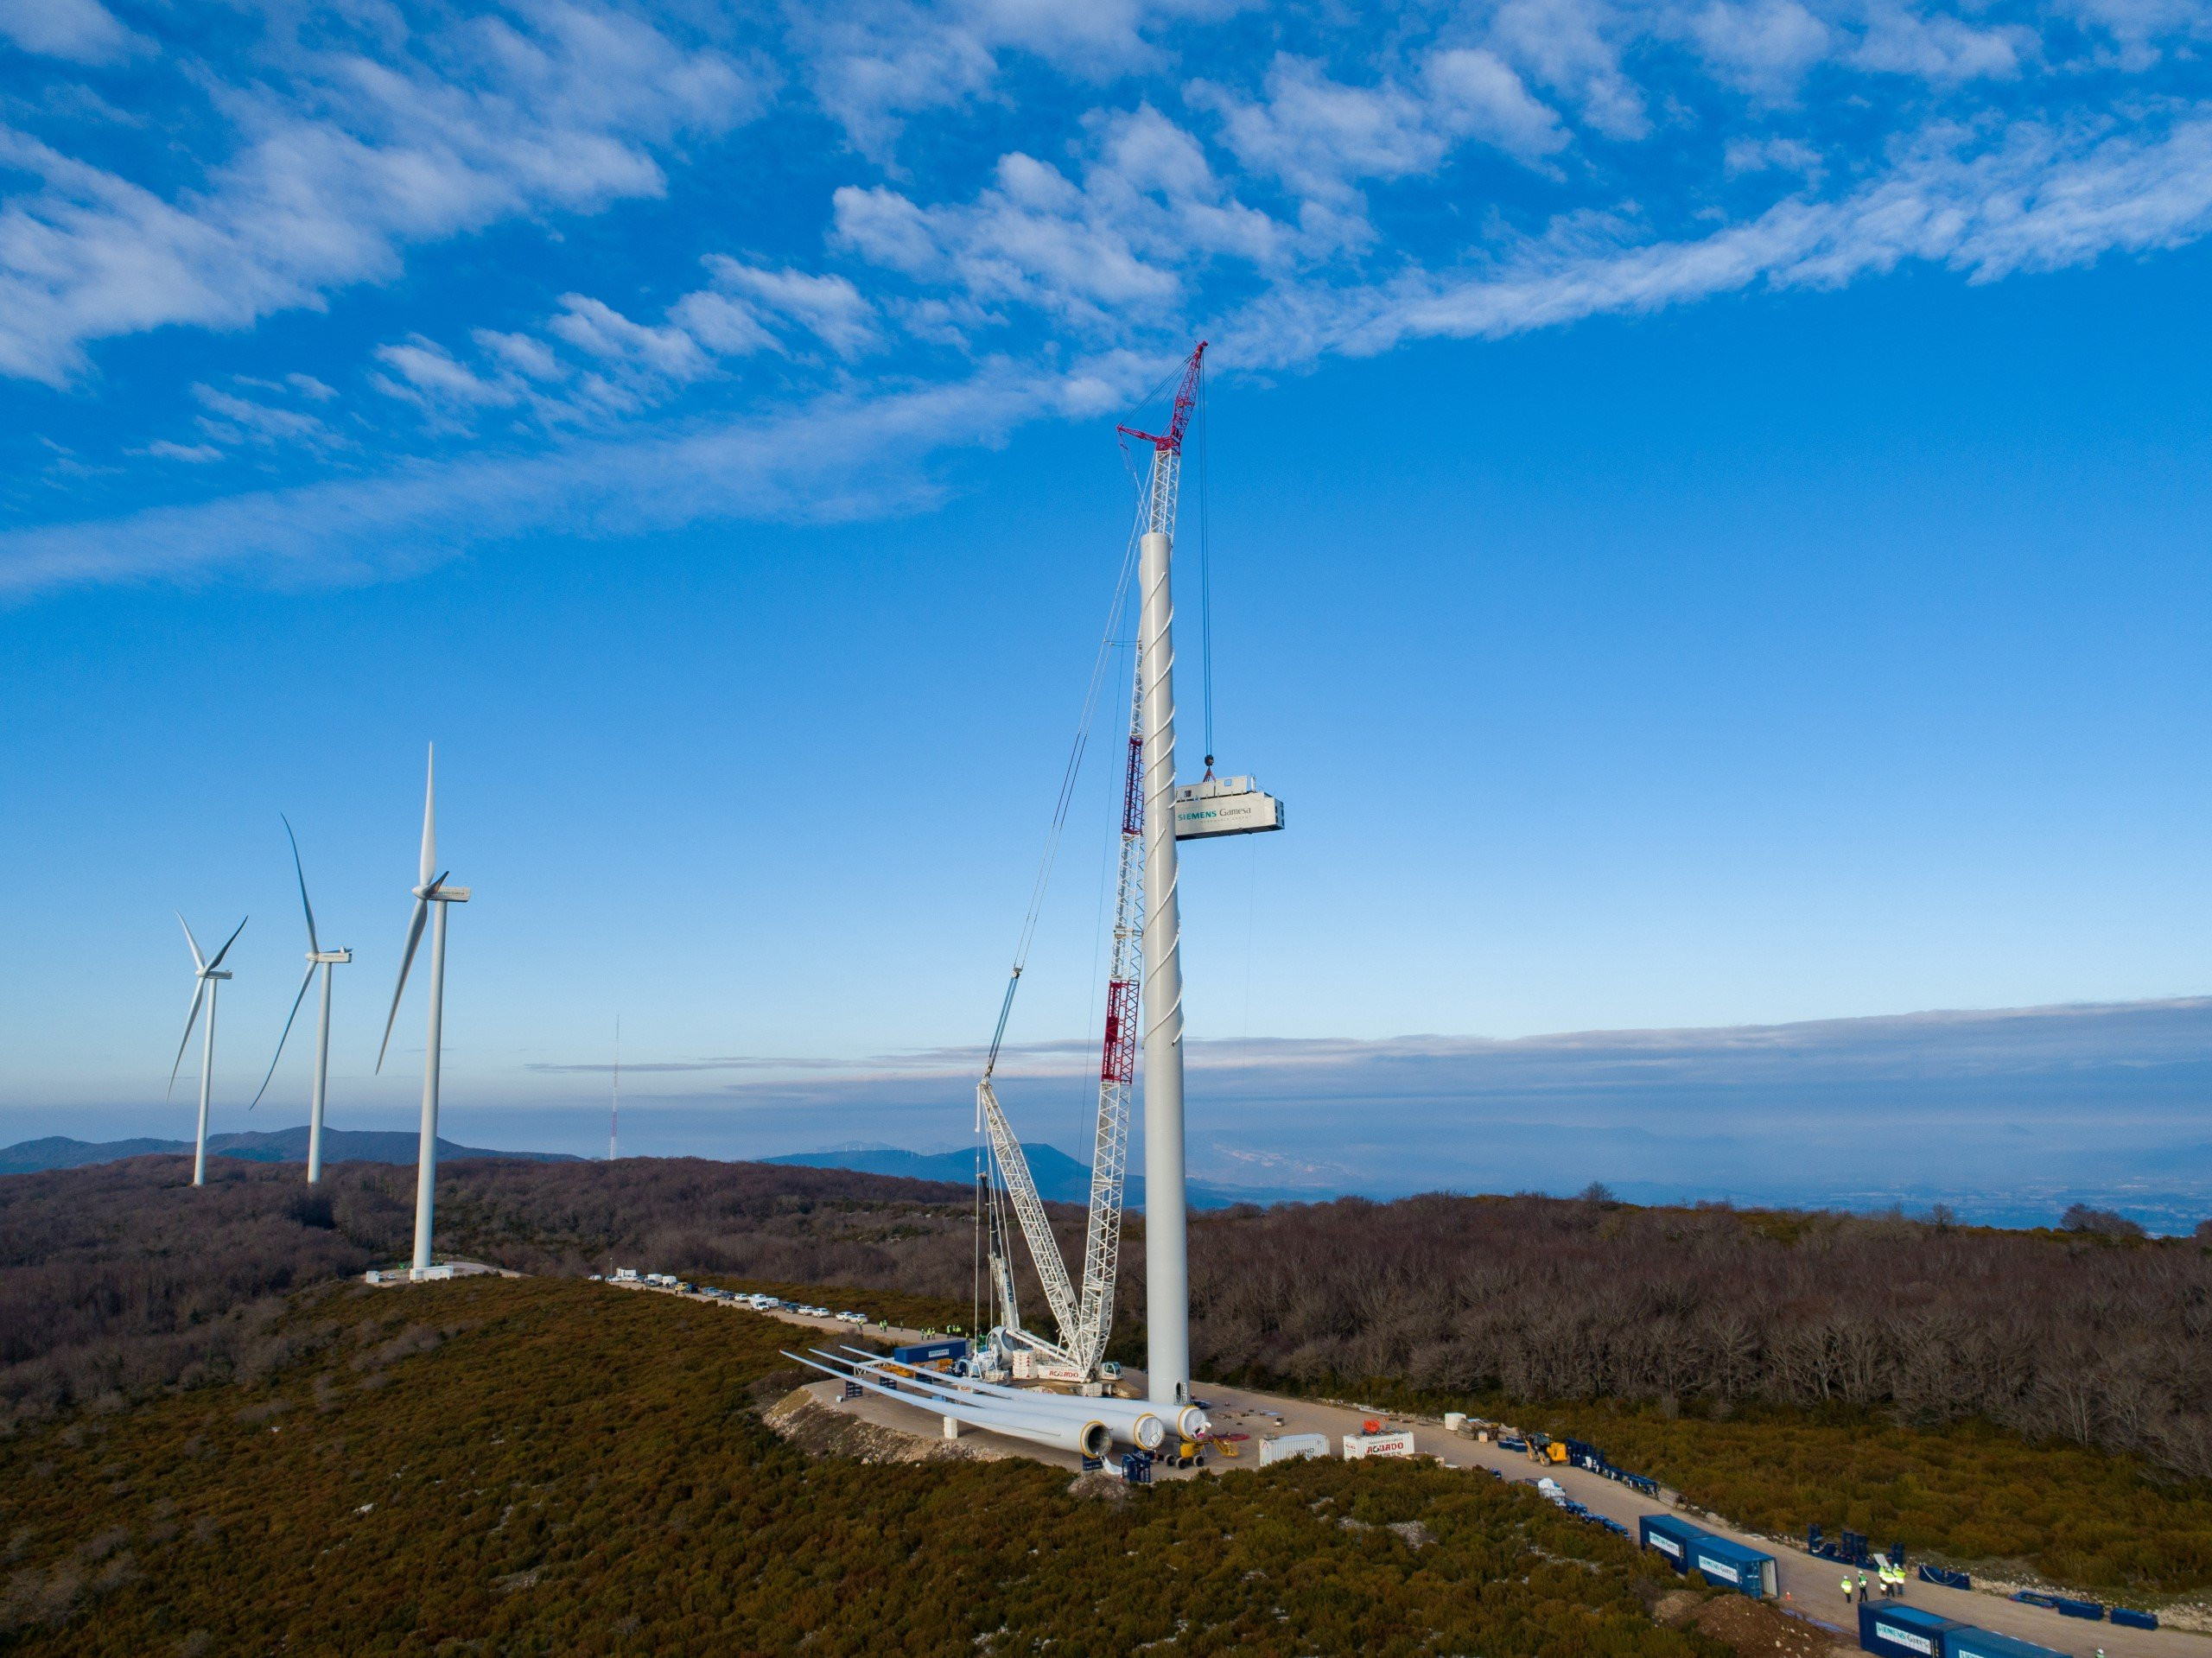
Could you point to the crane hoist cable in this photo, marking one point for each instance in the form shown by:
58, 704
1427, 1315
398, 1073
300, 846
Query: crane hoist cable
1107, 643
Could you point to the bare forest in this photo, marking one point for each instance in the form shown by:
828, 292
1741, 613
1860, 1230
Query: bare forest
116, 1279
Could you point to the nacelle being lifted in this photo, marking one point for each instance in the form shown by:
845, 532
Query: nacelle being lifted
1224, 806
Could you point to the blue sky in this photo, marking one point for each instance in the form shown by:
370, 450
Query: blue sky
1706, 505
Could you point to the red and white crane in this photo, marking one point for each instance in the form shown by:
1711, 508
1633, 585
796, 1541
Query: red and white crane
1143, 999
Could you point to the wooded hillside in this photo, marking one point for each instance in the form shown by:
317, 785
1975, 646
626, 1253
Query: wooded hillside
122, 1276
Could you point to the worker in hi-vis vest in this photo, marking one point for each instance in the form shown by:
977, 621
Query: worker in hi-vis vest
1862, 1588
1847, 1587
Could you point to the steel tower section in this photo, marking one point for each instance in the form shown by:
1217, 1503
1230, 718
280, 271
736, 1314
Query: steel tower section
1168, 1284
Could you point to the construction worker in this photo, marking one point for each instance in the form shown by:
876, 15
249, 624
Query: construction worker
1862, 1588
1846, 1589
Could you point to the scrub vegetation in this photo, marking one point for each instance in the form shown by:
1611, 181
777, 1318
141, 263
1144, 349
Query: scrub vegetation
546, 1465
2038, 1397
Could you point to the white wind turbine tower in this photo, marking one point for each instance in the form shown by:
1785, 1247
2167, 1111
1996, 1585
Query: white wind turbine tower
430, 893
206, 980
325, 959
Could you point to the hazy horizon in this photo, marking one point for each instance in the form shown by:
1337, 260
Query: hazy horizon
2008, 1114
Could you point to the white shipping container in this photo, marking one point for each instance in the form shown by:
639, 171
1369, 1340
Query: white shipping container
1288, 1447
1399, 1443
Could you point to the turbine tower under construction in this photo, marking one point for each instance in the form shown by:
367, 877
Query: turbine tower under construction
1166, 1244
1144, 994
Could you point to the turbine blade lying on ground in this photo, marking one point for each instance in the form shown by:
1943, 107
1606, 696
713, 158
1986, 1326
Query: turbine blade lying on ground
198, 990
288, 1017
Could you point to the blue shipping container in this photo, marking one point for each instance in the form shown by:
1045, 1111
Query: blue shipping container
1970, 1642
1902, 1631
954, 1347
1744, 1570
1673, 1538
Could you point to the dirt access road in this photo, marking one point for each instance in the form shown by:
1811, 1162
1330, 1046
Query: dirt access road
1807, 1585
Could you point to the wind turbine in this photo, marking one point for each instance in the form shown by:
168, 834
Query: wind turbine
430, 892
206, 980
325, 959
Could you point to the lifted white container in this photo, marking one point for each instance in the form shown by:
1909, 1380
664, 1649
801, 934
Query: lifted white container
1224, 806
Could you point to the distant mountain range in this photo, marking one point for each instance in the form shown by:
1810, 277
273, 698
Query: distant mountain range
285, 1146
1060, 1179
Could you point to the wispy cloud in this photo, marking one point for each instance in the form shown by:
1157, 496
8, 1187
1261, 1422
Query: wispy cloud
343, 156
1485, 171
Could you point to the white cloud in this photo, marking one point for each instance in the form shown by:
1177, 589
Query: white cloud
725, 326
197, 454
1148, 209
598, 330
1744, 155
532, 359
828, 307
233, 419
1567, 46
1475, 93
2037, 199
82, 31
1900, 41
343, 163
835, 457
2029, 197
873, 63
424, 372
1319, 137
1763, 46
1322, 139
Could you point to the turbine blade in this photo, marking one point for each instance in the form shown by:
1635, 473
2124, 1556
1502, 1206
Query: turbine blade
198, 989
191, 944
227, 942
288, 1017
406, 960
312, 947
430, 815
